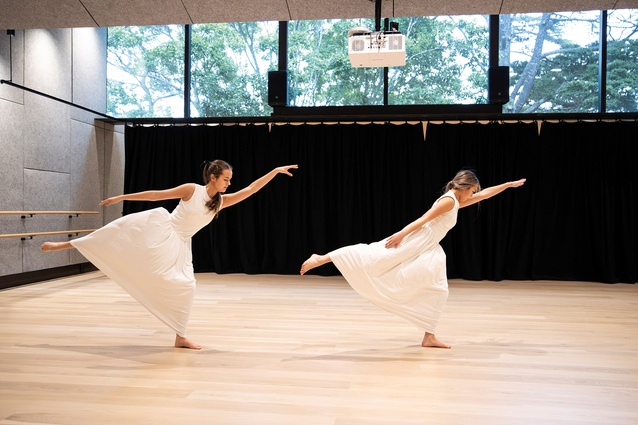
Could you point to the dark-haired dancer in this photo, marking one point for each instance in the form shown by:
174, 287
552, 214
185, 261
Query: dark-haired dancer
406, 272
149, 253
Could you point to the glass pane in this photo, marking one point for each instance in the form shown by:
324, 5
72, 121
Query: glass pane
622, 61
319, 69
145, 71
447, 58
229, 68
553, 59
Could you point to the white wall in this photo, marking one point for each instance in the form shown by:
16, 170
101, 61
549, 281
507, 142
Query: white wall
54, 156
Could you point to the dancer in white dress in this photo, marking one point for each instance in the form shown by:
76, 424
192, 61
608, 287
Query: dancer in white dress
149, 253
406, 272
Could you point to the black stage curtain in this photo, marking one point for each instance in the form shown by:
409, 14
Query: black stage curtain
356, 183
492, 239
162, 157
586, 202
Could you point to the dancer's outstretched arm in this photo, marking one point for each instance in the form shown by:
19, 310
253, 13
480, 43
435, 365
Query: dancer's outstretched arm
254, 187
184, 191
444, 205
489, 192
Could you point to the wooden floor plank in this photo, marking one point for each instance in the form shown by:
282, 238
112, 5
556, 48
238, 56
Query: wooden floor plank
309, 350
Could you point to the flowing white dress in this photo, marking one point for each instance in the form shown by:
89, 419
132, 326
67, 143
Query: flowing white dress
149, 255
410, 280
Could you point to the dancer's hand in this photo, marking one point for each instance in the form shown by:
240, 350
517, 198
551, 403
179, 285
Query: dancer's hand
394, 240
110, 201
285, 168
517, 183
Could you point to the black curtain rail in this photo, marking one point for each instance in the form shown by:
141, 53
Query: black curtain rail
48, 96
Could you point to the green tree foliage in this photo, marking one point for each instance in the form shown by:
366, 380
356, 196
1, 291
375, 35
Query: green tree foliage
622, 62
557, 63
446, 61
443, 64
552, 69
229, 68
319, 68
622, 78
150, 61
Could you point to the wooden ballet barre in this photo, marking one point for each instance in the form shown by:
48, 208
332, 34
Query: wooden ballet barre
25, 236
24, 214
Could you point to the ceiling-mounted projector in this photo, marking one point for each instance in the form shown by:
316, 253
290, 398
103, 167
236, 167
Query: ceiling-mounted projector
367, 49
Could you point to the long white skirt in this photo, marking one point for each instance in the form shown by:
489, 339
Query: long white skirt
143, 254
409, 281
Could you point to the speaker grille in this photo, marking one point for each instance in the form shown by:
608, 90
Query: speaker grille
357, 45
395, 42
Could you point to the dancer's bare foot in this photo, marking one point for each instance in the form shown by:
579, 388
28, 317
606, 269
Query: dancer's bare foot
55, 246
314, 261
429, 340
181, 342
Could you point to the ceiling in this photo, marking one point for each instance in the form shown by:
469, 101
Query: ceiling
24, 14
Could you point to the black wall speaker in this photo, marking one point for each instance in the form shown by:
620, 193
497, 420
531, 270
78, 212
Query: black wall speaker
277, 88
498, 84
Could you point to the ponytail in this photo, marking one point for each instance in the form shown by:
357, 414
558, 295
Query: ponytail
214, 168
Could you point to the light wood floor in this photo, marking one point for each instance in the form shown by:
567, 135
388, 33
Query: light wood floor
309, 351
